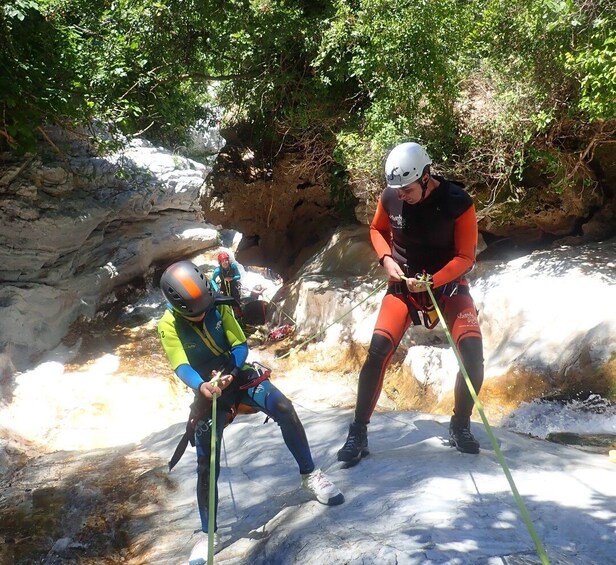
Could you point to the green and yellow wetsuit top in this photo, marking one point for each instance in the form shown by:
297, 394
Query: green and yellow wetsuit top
195, 349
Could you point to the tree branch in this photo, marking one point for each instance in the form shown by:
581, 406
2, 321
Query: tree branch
205, 77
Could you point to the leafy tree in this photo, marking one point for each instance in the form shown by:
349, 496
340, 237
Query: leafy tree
402, 57
37, 77
530, 65
487, 85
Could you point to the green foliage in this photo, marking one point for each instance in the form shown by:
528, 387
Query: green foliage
132, 65
595, 66
402, 56
480, 83
556, 48
532, 67
485, 84
36, 72
276, 94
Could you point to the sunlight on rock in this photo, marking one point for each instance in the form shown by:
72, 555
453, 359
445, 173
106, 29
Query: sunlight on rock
205, 234
527, 315
106, 365
433, 366
464, 546
507, 515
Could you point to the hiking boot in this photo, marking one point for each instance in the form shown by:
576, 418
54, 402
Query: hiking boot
460, 435
356, 445
322, 488
199, 553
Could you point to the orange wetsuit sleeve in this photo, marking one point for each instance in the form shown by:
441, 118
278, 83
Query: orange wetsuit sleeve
465, 242
380, 231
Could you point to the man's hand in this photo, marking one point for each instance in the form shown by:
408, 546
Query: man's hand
415, 285
418, 283
392, 268
209, 389
395, 272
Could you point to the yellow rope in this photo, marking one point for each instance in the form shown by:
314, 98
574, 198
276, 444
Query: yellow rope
499, 454
211, 513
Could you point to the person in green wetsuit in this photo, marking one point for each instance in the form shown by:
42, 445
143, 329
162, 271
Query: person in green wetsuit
201, 336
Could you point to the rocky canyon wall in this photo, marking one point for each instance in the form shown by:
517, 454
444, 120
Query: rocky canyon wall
75, 226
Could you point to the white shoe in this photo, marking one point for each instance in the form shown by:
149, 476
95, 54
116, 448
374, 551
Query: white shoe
199, 553
322, 488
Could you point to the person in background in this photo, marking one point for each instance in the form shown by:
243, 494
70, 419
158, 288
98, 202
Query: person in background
424, 227
202, 337
227, 278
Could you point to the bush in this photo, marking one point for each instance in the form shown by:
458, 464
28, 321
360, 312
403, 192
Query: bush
480, 83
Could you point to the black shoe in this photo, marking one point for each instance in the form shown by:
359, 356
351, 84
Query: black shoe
356, 445
460, 435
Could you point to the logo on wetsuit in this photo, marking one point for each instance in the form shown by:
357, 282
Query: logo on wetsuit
397, 221
469, 318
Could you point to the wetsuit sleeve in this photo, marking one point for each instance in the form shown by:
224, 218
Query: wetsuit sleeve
235, 336
465, 242
215, 274
380, 231
171, 342
189, 376
175, 352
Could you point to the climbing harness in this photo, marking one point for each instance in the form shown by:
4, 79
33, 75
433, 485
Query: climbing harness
422, 278
418, 303
255, 373
259, 374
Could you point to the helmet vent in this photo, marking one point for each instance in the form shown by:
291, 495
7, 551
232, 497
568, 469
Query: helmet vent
173, 293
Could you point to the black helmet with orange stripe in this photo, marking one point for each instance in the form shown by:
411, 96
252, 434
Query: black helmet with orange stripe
187, 289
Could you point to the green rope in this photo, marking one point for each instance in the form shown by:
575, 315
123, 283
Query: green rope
279, 309
499, 454
313, 336
211, 512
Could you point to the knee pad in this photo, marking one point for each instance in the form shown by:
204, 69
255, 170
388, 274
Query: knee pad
282, 407
381, 347
471, 351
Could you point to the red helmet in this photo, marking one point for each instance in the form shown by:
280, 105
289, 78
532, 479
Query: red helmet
222, 257
187, 289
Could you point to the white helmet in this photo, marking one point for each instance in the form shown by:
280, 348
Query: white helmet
405, 164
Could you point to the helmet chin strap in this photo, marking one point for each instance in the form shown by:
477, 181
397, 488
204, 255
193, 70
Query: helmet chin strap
424, 188
220, 299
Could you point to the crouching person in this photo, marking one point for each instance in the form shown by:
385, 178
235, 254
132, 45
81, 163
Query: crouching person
201, 337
